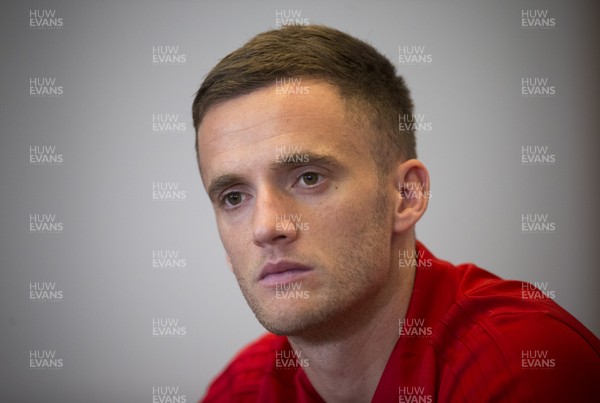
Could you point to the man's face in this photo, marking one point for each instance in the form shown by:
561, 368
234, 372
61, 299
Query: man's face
303, 218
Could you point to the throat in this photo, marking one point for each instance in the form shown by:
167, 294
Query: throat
345, 360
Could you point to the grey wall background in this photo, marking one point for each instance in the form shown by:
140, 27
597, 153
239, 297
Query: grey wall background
102, 126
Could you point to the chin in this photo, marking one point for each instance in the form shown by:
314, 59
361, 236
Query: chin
281, 327
285, 322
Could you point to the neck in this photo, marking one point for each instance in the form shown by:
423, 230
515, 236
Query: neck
346, 360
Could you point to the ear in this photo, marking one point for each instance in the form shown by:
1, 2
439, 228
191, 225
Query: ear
412, 181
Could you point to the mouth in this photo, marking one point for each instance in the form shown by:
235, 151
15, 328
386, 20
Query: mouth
282, 272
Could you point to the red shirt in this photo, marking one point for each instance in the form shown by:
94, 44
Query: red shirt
467, 336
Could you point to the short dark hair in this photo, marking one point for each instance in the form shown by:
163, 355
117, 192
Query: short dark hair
374, 95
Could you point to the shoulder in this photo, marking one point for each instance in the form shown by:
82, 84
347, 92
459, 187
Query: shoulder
241, 380
514, 342
516, 308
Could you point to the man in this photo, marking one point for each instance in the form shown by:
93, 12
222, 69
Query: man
317, 190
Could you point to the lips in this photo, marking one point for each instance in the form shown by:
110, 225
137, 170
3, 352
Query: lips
282, 272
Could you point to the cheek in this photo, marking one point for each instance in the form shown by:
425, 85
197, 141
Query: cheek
236, 238
228, 239
359, 219
351, 207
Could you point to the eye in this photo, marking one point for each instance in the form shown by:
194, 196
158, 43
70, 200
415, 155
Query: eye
310, 178
232, 199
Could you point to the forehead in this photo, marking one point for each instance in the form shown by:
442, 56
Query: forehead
266, 107
239, 129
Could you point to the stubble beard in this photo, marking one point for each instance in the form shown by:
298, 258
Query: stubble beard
325, 310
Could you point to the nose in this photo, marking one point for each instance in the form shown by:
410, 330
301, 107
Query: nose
270, 225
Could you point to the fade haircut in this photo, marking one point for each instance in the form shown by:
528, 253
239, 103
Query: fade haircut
375, 97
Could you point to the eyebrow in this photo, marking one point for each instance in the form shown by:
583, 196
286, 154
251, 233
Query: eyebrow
222, 182
296, 159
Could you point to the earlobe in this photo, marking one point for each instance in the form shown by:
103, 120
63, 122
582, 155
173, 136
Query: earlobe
412, 181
